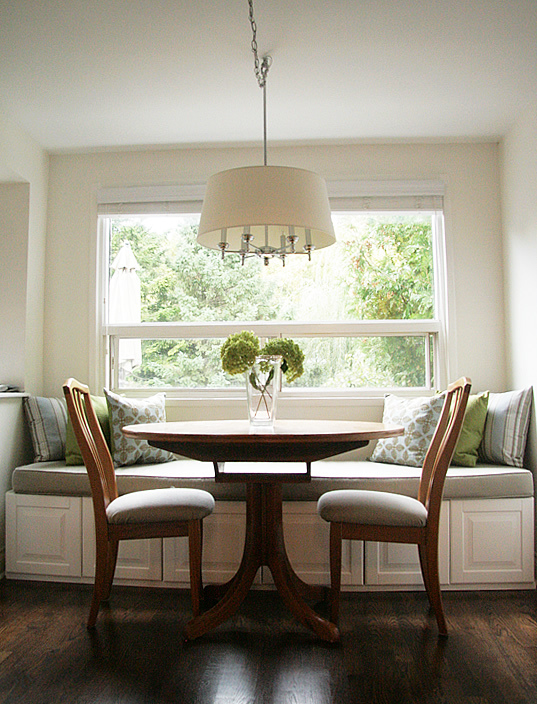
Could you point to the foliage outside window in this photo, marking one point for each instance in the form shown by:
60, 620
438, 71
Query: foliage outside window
381, 268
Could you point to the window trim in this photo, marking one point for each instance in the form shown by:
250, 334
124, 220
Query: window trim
395, 196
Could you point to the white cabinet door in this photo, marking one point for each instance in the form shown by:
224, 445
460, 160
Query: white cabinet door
492, 541
136, 560
14, 451
398, 564
43, 535
307, 542
223, 542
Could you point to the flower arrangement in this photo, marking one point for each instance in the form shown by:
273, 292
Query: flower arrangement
238, 354
242, 353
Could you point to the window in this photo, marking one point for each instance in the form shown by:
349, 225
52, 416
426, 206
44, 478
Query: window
367, 311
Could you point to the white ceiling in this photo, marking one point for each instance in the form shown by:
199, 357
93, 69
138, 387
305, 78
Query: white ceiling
80, 74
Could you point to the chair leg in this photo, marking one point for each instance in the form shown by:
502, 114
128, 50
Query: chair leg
335, 570
113, 546
433, 582
195, 542
424, 571
99, 585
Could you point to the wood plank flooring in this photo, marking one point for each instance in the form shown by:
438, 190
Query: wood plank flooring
389, 652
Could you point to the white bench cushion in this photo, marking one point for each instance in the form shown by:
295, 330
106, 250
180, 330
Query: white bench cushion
480, 482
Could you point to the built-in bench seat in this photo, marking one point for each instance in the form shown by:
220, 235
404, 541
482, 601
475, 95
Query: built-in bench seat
480, 482
486, 534
486, 523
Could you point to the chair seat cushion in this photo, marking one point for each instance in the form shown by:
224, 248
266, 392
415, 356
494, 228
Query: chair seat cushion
371, 508
160, 505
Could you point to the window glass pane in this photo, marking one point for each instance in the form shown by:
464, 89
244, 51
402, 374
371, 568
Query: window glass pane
330, 362
381, 267
385, 266
363, 362
179, 364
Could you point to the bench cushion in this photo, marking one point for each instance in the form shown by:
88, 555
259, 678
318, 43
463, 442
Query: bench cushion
479, 482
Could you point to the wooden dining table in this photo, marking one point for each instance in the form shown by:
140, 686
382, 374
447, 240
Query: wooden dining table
255, 452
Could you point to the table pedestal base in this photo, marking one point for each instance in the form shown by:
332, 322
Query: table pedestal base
264, 546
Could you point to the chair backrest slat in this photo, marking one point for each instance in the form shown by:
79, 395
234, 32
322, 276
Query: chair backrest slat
93, 446
442, 447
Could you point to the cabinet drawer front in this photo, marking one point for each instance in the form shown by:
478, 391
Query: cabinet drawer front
43, 535
223, 542
398, 564
136, 559
492, 541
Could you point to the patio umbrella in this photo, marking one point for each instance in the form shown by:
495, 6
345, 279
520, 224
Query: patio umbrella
126, 305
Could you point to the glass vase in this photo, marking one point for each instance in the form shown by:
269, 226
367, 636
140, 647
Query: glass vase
262, 387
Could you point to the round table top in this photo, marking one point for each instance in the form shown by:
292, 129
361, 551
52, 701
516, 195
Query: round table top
238, 440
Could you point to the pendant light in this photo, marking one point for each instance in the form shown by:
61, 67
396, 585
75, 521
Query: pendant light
265, 211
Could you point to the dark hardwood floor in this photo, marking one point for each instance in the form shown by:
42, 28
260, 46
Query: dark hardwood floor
389, 651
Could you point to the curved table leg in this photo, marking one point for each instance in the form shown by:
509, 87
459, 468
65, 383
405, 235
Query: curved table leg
238, 587
288, 583
264, 545
313, 592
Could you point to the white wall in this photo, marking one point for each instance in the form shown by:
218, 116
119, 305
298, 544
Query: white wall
23, 199
22, 160
470, 172
15, 208
519, 205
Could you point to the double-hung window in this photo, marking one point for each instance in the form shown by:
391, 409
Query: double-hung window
369, 311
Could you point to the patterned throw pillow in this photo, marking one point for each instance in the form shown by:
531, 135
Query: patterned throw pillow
47, 420
131, 411
506, 428
419, 417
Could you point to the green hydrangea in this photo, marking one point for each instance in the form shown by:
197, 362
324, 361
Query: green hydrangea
293, 357
239, 351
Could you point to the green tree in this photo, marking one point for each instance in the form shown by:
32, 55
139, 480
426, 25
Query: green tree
182, 281
380, 268
390, 270
390, 276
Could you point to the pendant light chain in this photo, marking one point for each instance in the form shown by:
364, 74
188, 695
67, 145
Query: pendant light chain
261, 68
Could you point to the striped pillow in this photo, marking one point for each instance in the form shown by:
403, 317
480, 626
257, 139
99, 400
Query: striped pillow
506, 428
47, 420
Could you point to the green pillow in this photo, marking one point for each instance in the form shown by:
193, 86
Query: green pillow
72, 451
472, 430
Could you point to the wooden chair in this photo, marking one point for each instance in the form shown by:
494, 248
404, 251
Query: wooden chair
394, 518
154, 513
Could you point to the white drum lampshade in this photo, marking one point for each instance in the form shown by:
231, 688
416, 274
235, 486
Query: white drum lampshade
270, 203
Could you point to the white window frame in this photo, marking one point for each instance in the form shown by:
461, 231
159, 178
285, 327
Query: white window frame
344, 196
